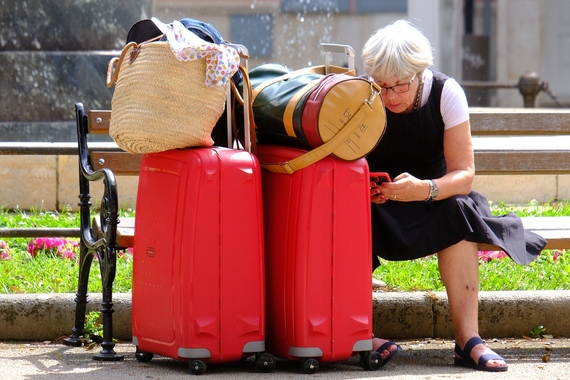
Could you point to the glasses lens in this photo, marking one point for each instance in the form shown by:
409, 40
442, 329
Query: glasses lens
398, 89
401, 88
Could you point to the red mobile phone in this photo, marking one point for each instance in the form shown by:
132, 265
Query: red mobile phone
379, 177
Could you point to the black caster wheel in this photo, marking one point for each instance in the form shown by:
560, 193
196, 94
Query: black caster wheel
143, 357
265, 362
371, 361
197, 367
310, 366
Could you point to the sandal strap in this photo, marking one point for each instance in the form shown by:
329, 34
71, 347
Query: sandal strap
470, 344
483, 359
458, 350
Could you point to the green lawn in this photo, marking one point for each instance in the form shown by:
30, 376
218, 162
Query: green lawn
49, 265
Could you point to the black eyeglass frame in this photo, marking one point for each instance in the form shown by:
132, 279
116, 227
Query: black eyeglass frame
396, 88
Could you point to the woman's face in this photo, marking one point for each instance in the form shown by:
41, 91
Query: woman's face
399, 95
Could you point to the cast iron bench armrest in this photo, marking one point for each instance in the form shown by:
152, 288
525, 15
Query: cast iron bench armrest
99, 236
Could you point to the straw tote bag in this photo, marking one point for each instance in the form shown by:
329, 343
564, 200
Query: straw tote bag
160, 102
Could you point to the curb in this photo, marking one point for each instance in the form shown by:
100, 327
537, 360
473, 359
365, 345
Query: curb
396, 315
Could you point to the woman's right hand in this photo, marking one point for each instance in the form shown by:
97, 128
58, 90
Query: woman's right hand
375, 195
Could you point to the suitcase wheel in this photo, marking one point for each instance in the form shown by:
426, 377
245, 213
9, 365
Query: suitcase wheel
197, 367
143, 357
265, 362
371, 361
310, 365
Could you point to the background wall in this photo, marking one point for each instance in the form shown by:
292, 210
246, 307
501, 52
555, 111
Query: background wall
54, 53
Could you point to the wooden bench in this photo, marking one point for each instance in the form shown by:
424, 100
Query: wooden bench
525, 141
511, 148
501, 142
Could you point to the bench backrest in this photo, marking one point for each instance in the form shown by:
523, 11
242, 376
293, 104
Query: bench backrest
519, 121
521, 140
485, 122
120, 162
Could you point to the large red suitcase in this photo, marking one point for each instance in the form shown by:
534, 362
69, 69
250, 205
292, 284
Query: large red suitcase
318, 260
198, 275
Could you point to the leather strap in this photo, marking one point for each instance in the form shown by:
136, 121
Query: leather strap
314, 155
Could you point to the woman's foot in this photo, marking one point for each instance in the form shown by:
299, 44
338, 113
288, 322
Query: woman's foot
478, 356
385, 348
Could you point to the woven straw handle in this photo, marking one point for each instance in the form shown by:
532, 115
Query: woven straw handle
112, 73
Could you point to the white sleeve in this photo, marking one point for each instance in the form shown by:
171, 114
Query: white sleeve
454, 108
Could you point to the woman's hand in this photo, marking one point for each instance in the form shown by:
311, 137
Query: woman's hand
403, 188
375, 194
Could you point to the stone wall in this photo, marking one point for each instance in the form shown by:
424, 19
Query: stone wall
54, 53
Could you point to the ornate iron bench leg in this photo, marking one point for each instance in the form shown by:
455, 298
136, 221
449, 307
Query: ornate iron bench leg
81, 298
108, 269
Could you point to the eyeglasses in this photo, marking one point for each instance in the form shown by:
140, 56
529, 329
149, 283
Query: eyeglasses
399, 88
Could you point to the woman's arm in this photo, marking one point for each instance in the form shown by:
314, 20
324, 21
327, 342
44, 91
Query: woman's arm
458, 151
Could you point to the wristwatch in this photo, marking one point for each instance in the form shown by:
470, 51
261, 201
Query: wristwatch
433, 190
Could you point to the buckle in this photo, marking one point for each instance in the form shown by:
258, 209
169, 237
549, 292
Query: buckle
287, 167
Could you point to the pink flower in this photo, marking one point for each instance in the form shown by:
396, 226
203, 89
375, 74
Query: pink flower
125, 254
54, 246
68, 254
556, 255
487, 256
4, 251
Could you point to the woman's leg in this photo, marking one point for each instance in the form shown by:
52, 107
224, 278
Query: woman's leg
459, 270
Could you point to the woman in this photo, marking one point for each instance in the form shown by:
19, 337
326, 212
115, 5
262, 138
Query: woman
430, 207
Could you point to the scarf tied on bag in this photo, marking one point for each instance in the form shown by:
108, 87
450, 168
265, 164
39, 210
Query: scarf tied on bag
222, 61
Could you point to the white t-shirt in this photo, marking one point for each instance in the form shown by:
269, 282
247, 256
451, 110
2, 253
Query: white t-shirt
454, 108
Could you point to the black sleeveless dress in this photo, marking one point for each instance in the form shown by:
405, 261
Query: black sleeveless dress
413, 143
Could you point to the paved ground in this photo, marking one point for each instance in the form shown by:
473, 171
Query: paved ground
419, 360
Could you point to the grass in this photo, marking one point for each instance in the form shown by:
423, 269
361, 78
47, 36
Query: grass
550, 271
50, 265
47, 265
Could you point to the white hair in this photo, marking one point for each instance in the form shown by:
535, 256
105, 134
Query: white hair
399, 49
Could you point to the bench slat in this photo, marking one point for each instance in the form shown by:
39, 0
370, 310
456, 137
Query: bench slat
121, 163
555, 229
546, 222
522, 162
125, 231
519, 121
98, 121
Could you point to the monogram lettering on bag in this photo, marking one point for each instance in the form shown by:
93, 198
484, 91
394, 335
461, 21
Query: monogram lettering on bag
346, 116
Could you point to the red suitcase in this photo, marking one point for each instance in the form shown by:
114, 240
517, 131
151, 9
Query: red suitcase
198, 275
318, 260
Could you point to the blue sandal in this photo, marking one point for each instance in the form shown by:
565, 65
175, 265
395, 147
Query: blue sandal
465, 360
391, 354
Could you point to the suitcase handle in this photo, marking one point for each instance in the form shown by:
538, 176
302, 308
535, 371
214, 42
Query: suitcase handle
327, 49
249, 140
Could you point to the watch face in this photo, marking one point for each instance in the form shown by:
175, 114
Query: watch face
433, 190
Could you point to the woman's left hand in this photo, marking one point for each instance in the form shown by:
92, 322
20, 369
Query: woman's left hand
405, 188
